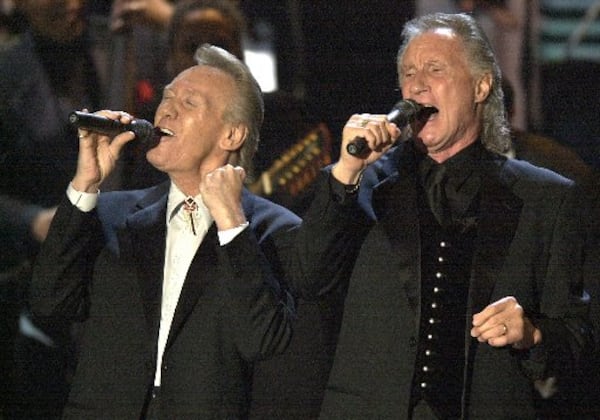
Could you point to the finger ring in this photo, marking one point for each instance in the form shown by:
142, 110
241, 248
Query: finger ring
505, 330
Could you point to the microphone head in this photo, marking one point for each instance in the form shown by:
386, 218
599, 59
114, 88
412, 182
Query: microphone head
146, 133
404, 112
142, 129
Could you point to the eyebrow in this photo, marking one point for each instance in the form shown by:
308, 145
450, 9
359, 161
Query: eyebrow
189, 91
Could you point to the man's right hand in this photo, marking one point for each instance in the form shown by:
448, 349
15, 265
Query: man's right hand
379, 134
98, 153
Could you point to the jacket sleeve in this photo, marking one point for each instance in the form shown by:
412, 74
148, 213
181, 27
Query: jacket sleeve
259, 305
328, 241
63, 268
563, 318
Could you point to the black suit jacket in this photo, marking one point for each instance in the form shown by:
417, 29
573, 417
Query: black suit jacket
106, 268
523, 249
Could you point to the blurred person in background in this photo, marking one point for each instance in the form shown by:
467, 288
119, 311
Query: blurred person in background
52, 68
542, 150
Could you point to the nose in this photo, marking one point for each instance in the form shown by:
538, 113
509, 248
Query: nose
166, 109
419, 84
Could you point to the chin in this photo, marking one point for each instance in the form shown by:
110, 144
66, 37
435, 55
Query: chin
428, 138
153, 158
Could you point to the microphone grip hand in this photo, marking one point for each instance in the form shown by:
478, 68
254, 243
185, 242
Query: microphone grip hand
357, 147
98, 153
403, 113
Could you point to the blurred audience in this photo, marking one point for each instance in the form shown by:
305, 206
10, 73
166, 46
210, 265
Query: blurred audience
50, 69
542, 150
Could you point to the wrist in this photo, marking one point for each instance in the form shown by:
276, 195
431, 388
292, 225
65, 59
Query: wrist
353, 188
85, 186
347, 176
226, 220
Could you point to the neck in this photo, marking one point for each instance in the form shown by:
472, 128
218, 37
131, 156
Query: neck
445, 154
189, 181
188, 186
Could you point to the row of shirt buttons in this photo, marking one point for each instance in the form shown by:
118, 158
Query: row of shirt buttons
433, 314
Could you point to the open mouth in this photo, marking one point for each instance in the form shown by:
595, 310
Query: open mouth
426, 113
158, 133
162, 132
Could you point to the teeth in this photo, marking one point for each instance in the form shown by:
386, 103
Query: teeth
167, 132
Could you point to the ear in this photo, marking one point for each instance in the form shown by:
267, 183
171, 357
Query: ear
236, 135
483, 87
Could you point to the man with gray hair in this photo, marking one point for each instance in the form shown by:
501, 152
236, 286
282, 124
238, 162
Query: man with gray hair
177, 285
463, 266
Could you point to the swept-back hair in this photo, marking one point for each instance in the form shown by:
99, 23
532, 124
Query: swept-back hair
248, 107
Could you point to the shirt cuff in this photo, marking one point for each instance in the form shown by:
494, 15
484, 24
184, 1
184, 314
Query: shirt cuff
84, 201
229, 235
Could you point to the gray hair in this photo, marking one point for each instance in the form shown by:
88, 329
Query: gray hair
495, 135
248, 107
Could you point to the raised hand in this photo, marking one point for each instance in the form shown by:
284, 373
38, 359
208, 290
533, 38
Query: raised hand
153, 13
221, 192
380, 135
98, 153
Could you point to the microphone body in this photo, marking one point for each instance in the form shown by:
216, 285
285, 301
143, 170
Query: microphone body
403, 113
143, 130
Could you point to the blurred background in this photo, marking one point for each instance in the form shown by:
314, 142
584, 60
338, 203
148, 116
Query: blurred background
339, 57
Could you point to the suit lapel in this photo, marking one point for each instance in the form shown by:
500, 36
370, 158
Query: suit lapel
500, 210
197, 278
146, 234
396, 207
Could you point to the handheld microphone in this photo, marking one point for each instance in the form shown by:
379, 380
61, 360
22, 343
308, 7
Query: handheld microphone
142, 129
403, 113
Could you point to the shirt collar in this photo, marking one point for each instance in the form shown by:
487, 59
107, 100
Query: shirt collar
176, 196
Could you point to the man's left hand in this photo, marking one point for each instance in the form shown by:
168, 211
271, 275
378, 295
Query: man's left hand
504, 323
221, 192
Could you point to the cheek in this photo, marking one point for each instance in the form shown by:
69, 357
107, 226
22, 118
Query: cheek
405, 90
